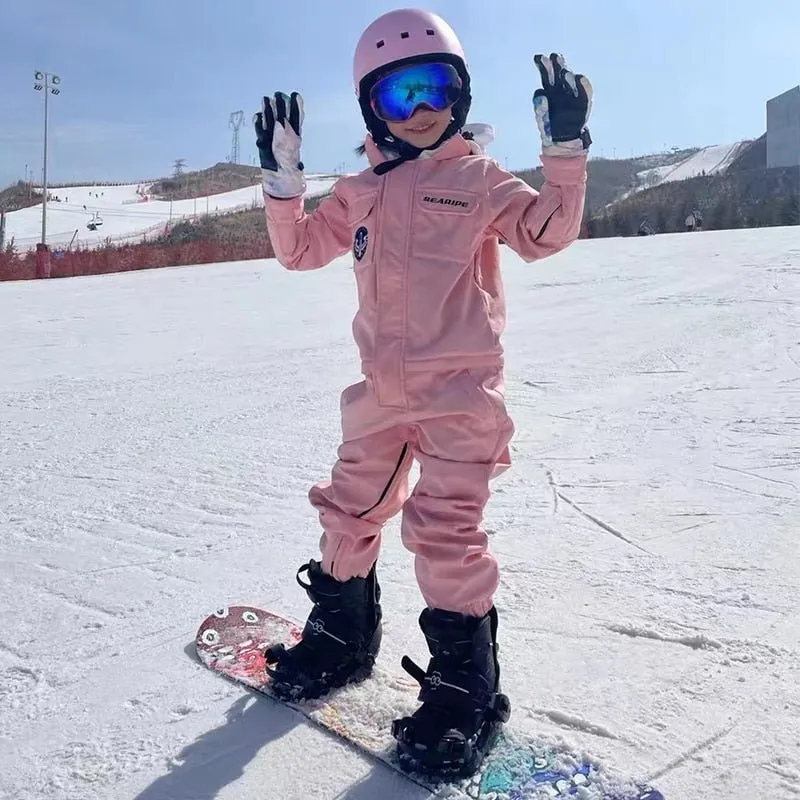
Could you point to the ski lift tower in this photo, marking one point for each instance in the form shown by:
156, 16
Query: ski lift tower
235, 122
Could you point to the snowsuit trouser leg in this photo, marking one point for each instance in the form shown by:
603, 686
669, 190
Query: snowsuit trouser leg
457, 428
459, 452
368, 485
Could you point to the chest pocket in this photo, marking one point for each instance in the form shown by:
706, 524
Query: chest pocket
447, 224
361, 220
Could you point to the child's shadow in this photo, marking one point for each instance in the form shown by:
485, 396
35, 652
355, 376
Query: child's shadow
218, 757
382, 783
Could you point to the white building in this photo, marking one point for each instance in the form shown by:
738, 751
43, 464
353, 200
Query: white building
783, 129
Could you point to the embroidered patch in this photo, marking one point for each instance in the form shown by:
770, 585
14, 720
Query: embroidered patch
451, 202
360, 242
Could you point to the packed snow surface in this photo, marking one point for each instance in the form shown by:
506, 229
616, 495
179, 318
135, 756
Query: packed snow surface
158, 434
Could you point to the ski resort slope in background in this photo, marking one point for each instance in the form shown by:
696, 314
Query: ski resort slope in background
711, 160
125, 216
158, 434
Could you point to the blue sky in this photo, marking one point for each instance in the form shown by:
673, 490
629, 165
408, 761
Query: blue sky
147, 82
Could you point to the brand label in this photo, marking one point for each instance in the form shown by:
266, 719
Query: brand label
445, 201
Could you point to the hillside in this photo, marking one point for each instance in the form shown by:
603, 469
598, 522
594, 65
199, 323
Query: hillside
750, 198
222, 177
613, 181
126, 212
19, 195
609, 179
728, 184
712, 160
754, 156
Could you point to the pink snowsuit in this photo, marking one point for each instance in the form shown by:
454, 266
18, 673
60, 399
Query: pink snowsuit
430, 315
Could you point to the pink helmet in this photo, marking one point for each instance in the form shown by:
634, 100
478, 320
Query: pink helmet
401, 34
407, 35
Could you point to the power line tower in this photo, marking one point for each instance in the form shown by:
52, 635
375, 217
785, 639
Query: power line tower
235, 122
178, 166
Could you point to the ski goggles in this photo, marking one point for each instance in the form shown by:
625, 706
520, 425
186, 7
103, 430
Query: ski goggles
396, 96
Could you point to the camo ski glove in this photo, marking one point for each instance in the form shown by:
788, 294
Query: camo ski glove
279, 127
562, 107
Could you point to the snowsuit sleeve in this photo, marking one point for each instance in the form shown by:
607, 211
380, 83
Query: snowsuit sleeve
538, 224
308, 241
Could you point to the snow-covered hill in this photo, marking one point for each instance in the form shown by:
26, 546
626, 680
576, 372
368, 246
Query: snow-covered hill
159, 431
710, 160
126, 213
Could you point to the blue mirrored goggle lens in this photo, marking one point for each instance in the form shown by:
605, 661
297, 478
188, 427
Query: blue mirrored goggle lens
395, 97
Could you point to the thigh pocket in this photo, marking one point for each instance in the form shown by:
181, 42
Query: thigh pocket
482, 391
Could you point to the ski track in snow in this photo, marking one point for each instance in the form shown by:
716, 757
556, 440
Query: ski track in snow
159, 432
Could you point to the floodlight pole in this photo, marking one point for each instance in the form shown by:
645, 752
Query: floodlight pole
49, 83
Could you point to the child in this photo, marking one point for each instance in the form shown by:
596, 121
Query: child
423, 224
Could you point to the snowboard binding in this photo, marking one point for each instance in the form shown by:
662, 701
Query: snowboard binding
340, 640
462, 708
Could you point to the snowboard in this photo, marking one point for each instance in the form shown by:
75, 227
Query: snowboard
232, 641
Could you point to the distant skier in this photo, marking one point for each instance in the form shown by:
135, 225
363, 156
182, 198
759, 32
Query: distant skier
694, 221
423, 224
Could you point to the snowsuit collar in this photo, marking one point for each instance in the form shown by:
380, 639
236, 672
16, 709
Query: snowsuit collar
480, 135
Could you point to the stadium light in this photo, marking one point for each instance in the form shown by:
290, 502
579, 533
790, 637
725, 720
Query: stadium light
49, 84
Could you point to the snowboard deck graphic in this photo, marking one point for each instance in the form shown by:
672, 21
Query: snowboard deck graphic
232, 641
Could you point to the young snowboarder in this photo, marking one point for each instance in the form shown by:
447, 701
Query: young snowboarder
423, 223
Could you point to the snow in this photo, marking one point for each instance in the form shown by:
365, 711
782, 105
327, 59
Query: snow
158, 434
124, 215
711, 160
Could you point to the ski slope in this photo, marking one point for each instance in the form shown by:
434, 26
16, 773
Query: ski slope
159, 431
706, 161
125, 217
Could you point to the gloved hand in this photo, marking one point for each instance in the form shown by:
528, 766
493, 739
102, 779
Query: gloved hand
279, 127
562, 107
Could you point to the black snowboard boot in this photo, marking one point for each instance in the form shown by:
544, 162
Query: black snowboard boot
462, 709
340, 640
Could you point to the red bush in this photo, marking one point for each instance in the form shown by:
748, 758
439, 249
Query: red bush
125, 257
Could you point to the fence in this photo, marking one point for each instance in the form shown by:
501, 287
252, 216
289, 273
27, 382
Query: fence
127, 257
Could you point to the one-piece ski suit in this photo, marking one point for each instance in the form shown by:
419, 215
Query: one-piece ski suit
431, 312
